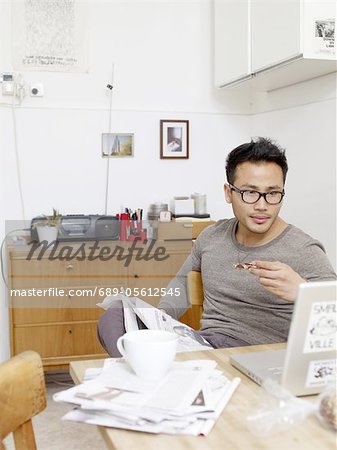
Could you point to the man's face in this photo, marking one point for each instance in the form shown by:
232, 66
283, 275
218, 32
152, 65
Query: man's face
259, 217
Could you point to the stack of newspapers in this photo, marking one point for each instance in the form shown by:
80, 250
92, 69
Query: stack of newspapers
187, 400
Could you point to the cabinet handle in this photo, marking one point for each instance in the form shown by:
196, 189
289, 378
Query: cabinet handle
70, 331
136, 276
69, 266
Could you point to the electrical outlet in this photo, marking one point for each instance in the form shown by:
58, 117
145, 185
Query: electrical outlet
36, 90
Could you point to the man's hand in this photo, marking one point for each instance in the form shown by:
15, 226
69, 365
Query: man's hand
278, 278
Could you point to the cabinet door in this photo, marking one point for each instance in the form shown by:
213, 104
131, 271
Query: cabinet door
68, 305
73, 339
276, 32
231, 41
45, 273
319, 22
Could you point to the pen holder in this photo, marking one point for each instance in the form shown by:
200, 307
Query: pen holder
135, 231
125, 224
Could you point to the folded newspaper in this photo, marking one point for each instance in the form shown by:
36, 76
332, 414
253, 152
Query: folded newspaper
188, 400
155, 319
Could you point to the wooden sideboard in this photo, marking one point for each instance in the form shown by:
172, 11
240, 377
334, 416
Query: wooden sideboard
56, 313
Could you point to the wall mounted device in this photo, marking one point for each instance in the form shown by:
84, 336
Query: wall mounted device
7, 84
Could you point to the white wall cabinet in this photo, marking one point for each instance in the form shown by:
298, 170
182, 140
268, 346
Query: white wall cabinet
275, 32
279, 41
231, 41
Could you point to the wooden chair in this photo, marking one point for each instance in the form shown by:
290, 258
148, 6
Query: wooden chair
22, 396
195, 293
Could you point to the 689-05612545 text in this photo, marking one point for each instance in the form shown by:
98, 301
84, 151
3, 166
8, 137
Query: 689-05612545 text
96, 291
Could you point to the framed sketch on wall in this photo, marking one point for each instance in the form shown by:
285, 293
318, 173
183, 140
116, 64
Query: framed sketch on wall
174, 139
117, 145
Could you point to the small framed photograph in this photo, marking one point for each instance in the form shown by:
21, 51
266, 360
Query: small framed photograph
174, 139
117, 145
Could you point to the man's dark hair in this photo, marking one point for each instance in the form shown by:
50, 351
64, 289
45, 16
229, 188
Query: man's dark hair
260, 150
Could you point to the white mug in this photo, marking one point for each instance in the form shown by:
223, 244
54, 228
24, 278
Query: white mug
150, 353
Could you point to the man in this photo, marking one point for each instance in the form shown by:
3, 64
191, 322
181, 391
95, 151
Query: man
251, 265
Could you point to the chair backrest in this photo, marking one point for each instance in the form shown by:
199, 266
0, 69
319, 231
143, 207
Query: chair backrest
195, 293
22, 396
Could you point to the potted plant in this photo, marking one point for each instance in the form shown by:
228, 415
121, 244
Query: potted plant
47, 228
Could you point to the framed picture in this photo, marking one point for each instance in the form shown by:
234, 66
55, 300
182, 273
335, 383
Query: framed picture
117, 145
174, 139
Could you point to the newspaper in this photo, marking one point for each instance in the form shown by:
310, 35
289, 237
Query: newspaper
155, 319
188, 400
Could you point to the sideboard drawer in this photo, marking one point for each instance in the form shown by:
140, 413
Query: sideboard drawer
27, 316
47, 273
71, 304
58, 340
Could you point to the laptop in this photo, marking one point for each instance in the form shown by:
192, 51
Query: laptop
308, 363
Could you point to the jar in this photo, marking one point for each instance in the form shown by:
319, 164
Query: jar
200, 203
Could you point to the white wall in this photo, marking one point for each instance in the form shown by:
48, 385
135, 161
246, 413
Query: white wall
59, 135
61, 165
162, 70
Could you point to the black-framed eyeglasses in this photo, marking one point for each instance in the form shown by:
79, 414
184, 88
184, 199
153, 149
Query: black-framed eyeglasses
251, 196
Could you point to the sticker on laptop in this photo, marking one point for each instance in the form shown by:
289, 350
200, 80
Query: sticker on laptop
321, 373
322, 327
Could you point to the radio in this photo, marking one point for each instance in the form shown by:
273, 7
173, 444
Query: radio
80, 227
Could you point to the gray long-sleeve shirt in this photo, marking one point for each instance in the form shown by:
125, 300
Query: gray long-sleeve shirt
235, 304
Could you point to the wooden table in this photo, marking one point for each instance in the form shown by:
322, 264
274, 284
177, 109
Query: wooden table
230, 431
